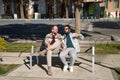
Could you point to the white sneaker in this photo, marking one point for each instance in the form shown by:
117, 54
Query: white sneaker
71, 68
65, 68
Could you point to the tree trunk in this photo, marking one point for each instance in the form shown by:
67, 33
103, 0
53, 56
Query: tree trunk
67, 13
13, 7
0, 17
77, 20
30, 9
66, 9
1, 8
21, 10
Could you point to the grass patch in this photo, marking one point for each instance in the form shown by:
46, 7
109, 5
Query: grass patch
99, 48
107, 48
4, 68
118, 72
19, 47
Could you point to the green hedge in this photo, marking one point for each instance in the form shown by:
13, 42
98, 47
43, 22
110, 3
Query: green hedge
2, 44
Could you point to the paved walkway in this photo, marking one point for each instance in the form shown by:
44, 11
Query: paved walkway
82, 70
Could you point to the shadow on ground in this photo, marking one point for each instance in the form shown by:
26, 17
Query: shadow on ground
107, 24
26, 31
41, 60
29, 31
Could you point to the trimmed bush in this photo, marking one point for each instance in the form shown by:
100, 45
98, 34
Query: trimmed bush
2, 44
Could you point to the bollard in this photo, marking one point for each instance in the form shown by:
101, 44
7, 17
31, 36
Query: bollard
95, 19
91, 18
93, 63
15, 16
37, 15
90, 27
87, 18
82, 18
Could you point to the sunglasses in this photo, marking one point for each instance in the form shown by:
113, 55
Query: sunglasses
66, 28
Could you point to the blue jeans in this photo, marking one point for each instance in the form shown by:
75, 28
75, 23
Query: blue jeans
72, 53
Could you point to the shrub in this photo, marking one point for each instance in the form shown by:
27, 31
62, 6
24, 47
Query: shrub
2, 44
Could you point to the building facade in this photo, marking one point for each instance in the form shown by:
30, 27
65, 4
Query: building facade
101, 8
112, 8
59, 8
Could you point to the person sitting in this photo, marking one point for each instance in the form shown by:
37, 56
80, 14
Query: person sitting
53, 42
72, 47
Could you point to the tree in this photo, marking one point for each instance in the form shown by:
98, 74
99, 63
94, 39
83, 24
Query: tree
21, 9
30, 9
50, 10
78, 6
66, 8
1, 8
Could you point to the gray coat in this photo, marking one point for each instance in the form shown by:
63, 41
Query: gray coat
74, 40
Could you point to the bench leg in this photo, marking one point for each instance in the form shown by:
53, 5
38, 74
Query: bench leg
37, 59
30, 61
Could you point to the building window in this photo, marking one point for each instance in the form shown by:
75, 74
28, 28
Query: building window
116, 3
106, 4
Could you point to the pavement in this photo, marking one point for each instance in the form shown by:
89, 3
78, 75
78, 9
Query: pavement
104, 65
